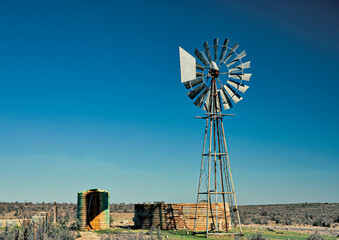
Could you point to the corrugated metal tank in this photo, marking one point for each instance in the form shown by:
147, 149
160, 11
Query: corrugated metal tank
93, 209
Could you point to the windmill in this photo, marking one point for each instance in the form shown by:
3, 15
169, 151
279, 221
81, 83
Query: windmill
215, 84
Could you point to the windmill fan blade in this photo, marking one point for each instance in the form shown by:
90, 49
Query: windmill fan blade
226, 102
233, 95
237, 58
201, 57
221, 85
224, 73
191, 84
192, 94
231, 52
240, 67
215, 43
217, 102
187, 65
241, 87
198, 66
224, 50
207, 103
200, 99
245, 76
199, 74
207, 50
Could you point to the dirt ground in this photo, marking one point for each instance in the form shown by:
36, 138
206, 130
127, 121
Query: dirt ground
88, 236
126, 219
330, 231
119, 220
122, 219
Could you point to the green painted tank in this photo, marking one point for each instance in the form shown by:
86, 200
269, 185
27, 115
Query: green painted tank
93, 209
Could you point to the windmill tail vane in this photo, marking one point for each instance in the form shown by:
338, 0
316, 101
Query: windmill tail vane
215, 79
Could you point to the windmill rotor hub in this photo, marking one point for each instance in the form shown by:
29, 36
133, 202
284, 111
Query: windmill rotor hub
213, 66
214, 70
214, 73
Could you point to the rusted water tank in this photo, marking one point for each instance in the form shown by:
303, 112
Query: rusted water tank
93, 209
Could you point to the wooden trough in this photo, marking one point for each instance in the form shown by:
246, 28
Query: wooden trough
168, 216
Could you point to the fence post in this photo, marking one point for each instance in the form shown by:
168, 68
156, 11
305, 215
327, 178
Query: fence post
16, 237
25, 234
55, 209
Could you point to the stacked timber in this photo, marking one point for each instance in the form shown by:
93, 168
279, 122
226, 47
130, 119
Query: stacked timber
168, 216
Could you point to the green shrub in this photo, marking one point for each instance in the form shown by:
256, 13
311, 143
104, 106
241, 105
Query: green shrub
315, 236
258, 236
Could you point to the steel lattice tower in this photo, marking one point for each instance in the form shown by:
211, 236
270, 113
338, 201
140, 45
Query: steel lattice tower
215, 85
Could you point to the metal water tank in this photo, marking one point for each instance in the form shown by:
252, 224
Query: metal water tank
93, 209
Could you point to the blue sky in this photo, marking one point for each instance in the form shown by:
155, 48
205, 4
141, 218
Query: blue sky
91, 97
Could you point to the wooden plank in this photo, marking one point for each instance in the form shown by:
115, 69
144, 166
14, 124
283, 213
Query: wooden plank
177, 216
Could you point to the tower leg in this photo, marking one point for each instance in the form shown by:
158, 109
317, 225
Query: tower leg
209, 179
201, 172
230, 175
222, 176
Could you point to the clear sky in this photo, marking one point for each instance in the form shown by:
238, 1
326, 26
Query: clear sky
91, 97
